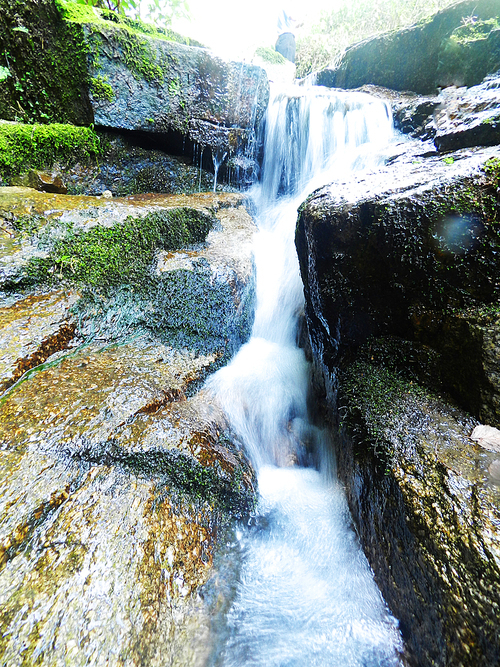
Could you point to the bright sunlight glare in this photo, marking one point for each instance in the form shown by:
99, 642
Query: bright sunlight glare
234, 29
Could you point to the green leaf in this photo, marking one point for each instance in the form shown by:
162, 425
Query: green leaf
4, 73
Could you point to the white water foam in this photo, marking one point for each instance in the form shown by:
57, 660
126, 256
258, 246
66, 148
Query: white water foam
306, 595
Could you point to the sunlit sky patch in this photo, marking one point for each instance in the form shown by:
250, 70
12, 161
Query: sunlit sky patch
234, 29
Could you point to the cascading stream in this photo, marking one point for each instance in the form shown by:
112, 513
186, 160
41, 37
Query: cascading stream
306, 595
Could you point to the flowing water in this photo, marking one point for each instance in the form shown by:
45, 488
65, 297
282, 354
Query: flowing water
305, 595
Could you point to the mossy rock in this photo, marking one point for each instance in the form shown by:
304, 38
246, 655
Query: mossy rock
470, 53
72, 63
426, 503
410, 58
105, 257
39, 146
47, 62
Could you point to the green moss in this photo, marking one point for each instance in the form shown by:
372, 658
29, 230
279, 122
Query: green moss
101, 89
104, 257
376, 391
270, 55
47, 63
103, 18
471, 32
492, 169
39, 146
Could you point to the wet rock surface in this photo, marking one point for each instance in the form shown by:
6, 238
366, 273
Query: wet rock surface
121, 480
176, 87
456, 118
457, 46
426, 500
409, 253
177, 265
31, 330
404, 251
124, 168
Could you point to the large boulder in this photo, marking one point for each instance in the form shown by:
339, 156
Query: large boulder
402, 286
130, 77
408, 252
121, 479
458, 46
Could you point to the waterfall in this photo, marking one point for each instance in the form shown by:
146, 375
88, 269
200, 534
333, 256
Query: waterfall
306, 594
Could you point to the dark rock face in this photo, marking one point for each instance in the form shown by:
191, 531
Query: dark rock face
427, 508
365, 271
402, 287
438, 52
125, 168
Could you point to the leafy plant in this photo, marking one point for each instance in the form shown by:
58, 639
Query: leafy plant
159, 12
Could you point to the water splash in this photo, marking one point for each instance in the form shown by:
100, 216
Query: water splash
306, 594
218, 158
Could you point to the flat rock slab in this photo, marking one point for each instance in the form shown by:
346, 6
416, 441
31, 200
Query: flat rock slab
120, 480
105, 569
115, 493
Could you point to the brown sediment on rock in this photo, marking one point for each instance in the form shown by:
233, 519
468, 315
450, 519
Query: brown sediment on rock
54, 343
32, 330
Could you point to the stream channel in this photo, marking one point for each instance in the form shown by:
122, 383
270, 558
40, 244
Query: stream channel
305, 595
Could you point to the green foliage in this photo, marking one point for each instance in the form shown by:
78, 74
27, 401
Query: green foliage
270, 55
39, 146
43, 65
158, 12
352, 22
104, 257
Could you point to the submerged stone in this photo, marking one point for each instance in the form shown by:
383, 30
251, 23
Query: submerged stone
32, 330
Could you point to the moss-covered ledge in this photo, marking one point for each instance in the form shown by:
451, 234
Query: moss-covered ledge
425, 500
24, 146
178, 265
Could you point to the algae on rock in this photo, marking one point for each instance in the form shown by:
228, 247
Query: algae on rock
121, 482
